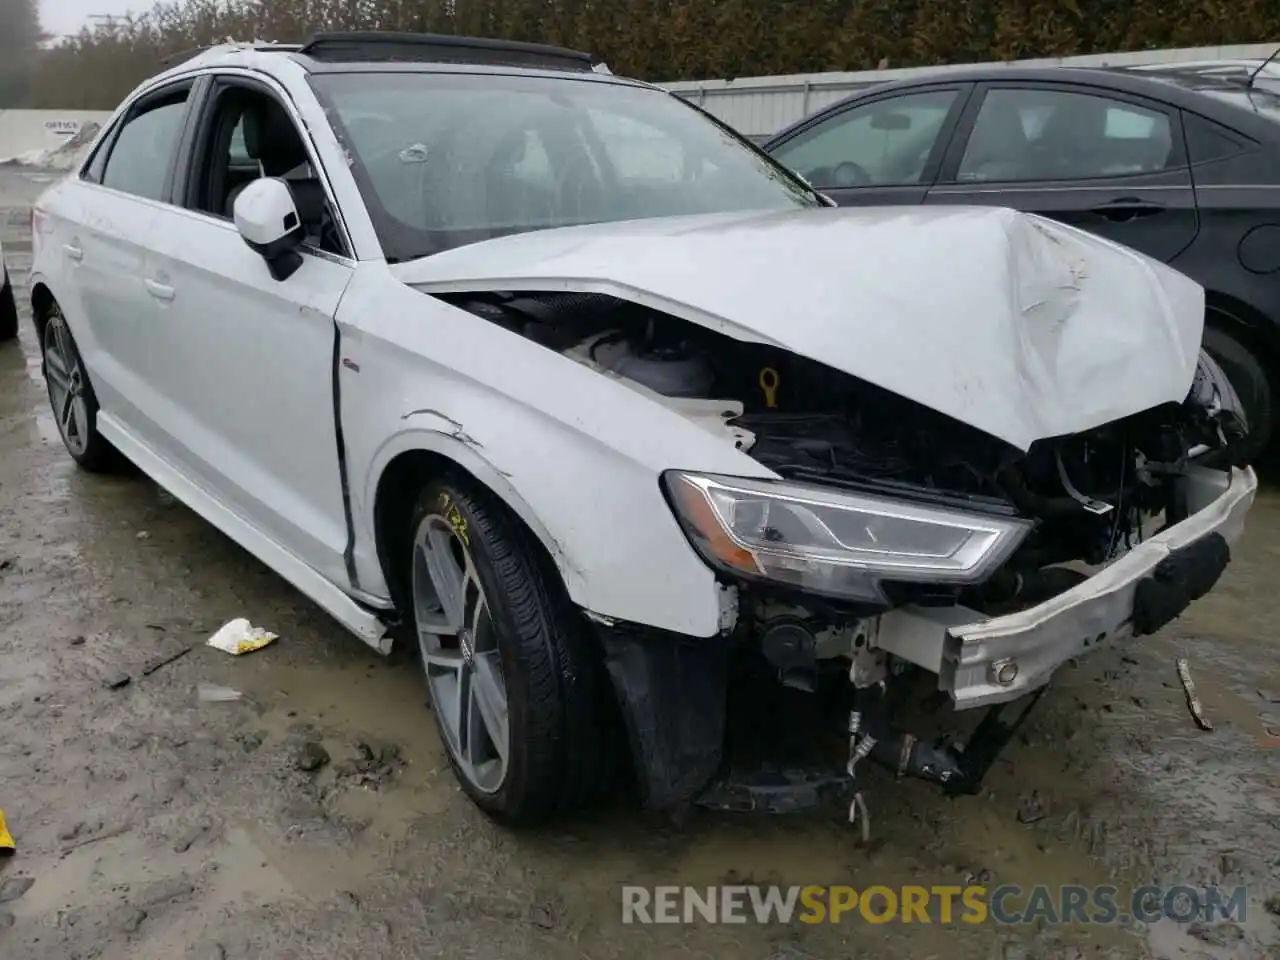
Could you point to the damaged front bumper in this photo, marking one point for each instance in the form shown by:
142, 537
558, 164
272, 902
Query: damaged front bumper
675, 692
981, 662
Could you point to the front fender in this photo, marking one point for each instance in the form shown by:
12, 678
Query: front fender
575, 454
435, 433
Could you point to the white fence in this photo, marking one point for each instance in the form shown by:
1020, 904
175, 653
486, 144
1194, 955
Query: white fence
759, 106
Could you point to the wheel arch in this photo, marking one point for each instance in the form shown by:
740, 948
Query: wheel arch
1251, 358
1236, 316
42, 301
416, 460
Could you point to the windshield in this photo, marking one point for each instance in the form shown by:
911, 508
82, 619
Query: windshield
449, 159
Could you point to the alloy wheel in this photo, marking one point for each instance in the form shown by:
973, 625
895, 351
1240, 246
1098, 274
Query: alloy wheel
458, 641
66, 380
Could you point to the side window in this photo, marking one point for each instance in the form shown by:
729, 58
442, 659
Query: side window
1208, 141
1036, 134
883, 143
249, 134
139, 160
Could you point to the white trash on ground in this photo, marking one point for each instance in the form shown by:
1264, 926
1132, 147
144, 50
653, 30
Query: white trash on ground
211, 693
240, 636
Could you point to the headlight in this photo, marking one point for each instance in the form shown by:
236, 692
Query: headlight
833, 542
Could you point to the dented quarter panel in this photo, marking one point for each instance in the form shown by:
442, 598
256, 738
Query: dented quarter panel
576, 454
1016, 325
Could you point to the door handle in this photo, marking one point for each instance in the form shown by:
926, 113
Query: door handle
74, 252
1125, 209
160, 291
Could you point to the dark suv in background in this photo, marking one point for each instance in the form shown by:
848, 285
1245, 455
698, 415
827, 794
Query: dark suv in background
1181, 164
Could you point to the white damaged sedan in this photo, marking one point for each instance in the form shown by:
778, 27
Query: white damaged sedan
652, 456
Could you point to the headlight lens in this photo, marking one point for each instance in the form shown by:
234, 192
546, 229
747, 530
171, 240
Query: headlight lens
833, 542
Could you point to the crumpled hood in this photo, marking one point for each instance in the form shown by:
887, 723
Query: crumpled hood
1014, 324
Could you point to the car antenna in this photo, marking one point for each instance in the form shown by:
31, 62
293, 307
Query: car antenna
1262, 66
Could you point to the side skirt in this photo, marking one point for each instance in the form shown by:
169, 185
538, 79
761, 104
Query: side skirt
364, 623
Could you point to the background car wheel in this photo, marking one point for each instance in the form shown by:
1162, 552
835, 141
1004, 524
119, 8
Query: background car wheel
515, 683
8, 311
1255, 387
75, 407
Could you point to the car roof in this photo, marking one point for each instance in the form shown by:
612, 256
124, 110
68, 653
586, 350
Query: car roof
1147, 79
383, 52
1180, 87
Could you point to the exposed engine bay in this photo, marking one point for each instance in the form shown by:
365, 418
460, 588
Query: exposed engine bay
1088, 498
1093, 495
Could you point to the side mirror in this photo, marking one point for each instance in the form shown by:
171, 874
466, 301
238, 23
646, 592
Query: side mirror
890, 121
268, 221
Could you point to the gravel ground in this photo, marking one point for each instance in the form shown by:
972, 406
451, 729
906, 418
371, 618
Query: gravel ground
155, 824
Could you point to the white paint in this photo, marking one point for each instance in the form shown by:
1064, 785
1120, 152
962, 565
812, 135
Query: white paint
1016, 325
218, 380
245, 436
262, 211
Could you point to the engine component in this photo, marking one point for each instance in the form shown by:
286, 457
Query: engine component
867, 665
1085, 498
672, 371
790, 646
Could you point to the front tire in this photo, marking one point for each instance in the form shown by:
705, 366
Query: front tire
71, 396
1253, 384
8, 311
511, 670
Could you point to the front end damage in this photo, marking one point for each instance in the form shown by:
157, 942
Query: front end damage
898, 544
908, 552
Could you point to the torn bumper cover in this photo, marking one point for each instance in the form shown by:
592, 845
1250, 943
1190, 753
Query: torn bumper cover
674, 690
980, 662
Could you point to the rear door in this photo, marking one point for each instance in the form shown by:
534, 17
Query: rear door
1107, 162
884, 149
103, 226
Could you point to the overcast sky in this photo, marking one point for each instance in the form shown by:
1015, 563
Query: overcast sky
68, 16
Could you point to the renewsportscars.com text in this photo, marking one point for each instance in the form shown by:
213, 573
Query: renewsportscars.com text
942, 904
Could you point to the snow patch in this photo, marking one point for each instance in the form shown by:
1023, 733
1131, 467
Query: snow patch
65, 156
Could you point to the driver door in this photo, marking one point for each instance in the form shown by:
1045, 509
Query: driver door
877, 150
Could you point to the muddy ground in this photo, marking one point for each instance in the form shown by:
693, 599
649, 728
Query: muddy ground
155, 824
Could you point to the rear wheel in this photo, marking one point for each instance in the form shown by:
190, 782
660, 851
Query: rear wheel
75, 407
1242, 362
8, 311
510, 666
